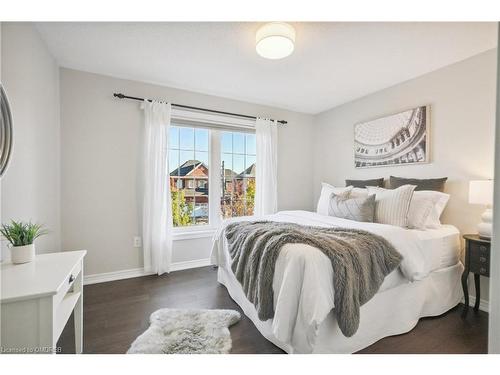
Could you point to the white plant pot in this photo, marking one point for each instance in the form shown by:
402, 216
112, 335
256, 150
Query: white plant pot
22, 254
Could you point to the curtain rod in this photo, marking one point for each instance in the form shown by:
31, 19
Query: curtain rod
122, 96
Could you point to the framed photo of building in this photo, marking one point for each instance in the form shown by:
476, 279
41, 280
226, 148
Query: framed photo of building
398, 139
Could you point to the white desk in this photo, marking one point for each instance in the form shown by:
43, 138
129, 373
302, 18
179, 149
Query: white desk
37, 299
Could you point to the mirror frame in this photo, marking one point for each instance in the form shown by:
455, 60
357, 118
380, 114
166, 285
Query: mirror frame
5, 131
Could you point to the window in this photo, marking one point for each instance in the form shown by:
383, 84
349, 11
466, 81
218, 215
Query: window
189, 173
191, 149
237, 174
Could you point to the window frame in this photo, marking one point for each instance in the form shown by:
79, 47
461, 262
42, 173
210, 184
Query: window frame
215, 124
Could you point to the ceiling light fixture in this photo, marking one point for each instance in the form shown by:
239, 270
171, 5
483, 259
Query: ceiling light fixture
275, 40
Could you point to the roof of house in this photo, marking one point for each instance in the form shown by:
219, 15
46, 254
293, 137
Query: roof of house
229, 174
249, 172
187, 167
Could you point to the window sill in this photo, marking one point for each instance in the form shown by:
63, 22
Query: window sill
187, 234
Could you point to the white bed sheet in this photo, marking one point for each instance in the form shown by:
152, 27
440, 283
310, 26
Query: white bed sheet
303, 286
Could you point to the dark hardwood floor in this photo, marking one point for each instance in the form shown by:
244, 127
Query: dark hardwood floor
115, 313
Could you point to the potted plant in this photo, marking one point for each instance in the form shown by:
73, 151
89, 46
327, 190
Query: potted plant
21, 237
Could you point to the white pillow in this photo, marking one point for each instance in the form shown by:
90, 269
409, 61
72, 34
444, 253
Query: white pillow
425, 209
421, 206
391, 206
326, 193
440, 202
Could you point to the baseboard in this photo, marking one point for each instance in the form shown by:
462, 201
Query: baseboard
116, 275
138, 272
483, 304
179, 266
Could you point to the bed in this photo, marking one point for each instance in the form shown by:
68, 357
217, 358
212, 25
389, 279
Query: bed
427, 283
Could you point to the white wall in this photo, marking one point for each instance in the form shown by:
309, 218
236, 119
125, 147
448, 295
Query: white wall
31, 185
101, 155
462, 98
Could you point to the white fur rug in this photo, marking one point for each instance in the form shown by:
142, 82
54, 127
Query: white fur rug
179, 331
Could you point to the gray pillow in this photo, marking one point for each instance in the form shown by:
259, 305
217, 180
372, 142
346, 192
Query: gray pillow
435, 184
364, 183
358, 209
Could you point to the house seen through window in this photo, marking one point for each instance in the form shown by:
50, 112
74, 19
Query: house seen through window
190, 173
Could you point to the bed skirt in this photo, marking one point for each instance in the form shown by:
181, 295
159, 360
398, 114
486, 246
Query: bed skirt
391, 312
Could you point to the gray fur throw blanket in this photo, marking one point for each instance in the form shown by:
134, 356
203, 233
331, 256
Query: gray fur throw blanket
360, 262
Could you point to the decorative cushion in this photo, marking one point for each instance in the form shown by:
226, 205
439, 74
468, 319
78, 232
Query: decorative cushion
358, 193
436, 184
364, 183
326, 193
357, 209
391, 206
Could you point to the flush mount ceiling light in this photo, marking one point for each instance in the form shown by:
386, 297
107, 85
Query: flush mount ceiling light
275, 40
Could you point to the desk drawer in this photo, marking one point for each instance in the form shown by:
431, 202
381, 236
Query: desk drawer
480, 268
479, 248
480, 259
68, 283
479, 253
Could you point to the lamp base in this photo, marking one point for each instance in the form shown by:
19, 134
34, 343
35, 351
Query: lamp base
485, 228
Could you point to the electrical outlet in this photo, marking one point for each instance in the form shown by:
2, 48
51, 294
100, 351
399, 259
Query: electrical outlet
137, 241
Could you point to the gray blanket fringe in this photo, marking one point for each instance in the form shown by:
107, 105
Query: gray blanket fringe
360, 262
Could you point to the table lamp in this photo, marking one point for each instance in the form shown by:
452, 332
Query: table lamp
481, 192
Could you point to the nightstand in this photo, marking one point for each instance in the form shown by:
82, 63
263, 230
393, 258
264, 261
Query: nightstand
477, 261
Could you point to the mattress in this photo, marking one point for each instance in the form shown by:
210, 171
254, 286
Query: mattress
441, 246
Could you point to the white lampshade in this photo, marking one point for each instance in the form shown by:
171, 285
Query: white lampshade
275, 40
481, 192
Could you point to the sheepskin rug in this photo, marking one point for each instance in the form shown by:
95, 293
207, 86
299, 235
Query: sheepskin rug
177, 331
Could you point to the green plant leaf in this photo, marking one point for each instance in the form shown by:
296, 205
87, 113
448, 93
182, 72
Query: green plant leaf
20, 233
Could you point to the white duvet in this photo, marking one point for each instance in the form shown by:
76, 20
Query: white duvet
303, 279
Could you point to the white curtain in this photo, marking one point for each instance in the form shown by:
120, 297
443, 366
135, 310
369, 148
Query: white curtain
157, 210
266, 176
